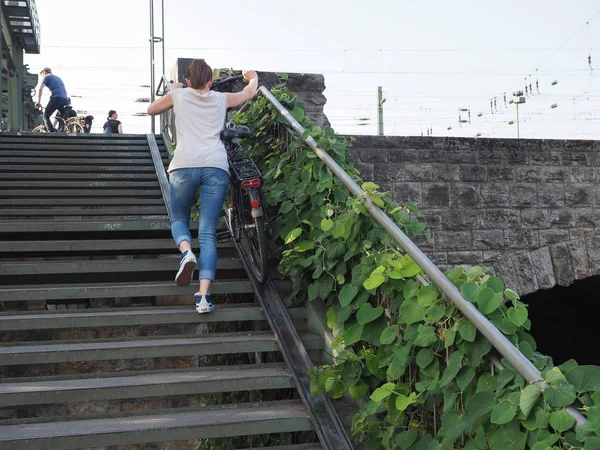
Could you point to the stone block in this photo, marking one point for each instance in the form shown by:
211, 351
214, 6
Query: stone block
471, 258
593, 252
463, 156
418, 172
491, 256
366, 170
491, 157
498, 218
525, 273
522, 194
579, 194
528, 174
561, 264
545, 158
388, 172
432, 155
579, 258
553, 236
403, 155
407, 192
432, 218
550, 195
542, 266
581, 232
465, 195
452, 240
586, 218
505, 271
521, 239
504, 173
438, 258
360, 141
436, 195
373, 155
536, 218
458, 219
472, 172
581, 174
562, 218
494, 195
446, 172
488, 239
560, 174
516, 156
576, 159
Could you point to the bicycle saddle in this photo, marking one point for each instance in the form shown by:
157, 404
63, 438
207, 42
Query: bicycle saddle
234, 133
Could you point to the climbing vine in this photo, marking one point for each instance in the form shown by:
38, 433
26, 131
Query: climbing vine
426, 379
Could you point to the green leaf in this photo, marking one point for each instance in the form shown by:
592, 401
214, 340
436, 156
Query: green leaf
411, 311
561, 421
369, 186
367, 313
293, 235
469, 291
511, 295
359, 390
495, 283
488, 300
503, 412
374, 281
424, 357
436, 311
529, 397
339, 230
411, 207
477, 407
426, 336
427, 296
382, 392
326, 224
389, 335
466, 329
313, 291
298, 114
406, 438
464, 377
454, 364
518, 315
409, 267
353, 334
560, 395
585, 378
399, 362
403, 402
347, 294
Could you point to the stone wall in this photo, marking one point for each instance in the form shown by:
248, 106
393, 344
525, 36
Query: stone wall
528, 209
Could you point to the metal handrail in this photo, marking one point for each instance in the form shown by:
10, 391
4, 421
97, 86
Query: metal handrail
522, 365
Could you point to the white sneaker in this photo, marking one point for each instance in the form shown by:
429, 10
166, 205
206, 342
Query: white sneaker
186, 269
203, 303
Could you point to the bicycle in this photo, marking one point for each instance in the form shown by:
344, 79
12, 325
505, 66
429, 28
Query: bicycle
71, 125
245, 216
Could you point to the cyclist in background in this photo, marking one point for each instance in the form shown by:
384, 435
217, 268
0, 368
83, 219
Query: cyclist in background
200, 161
58, 98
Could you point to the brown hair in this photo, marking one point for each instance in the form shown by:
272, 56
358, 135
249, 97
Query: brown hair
199, 73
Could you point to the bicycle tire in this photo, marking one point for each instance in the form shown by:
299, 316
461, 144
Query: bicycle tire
39, 129
254, 242
73, 127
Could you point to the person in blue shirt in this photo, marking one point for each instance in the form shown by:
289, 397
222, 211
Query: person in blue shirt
58, 98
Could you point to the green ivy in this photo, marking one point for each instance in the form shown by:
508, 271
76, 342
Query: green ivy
421, 371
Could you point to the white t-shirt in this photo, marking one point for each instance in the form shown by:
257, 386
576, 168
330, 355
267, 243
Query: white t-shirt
199, 119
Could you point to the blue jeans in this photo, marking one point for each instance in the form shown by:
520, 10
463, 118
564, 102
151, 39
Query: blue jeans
55, 103
184, 184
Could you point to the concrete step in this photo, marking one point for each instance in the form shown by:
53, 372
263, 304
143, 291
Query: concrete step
314, 446
83, 201
132, 246
157, 383
105, 266
55, 167
72, 193
14, 160
12, 354
133, 316
111, 290
20, 226
42, 213
158, 426
91, 152
93, 184
57, 176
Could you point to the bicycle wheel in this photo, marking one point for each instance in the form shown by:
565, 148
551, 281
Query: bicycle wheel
73, 126
39, 129
254, 243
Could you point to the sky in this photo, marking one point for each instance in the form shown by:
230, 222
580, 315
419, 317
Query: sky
445, 68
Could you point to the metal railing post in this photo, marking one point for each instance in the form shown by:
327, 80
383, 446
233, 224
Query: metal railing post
521, 364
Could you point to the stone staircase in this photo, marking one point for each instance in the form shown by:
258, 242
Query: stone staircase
98, 346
